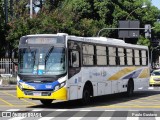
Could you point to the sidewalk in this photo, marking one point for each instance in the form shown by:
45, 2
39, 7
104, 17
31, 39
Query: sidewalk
7, 83
7, 87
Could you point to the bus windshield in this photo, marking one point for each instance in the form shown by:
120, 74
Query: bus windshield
42, 60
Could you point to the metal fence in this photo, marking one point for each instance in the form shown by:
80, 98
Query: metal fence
8, 67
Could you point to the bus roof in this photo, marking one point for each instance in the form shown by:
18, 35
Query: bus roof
96, 40
107, 41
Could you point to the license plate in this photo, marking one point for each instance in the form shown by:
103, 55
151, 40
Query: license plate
37, 94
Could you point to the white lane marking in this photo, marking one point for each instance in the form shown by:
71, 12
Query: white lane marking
62, 110
132, 113
46, 118
15, 118
49, 118
13, 110
104, 114
157, 118
77, 114
37, 110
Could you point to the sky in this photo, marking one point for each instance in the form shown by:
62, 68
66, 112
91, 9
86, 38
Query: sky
156, 3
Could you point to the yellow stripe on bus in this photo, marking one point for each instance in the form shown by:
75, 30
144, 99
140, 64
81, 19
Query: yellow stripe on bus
121, 73
144, 73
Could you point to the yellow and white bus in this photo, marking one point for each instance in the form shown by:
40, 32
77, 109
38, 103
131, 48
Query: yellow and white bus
64, 67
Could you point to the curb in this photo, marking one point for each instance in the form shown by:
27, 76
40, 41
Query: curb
7, 87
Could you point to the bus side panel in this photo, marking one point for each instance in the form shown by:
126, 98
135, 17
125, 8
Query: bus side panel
101, 88
73, 91
107, 80
108, 87
142, 82
114, 86
95, 88
74, 87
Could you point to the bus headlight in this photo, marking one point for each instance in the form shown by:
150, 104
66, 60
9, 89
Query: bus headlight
57, 87
20, 86
62, 84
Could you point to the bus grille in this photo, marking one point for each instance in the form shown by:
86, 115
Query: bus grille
41, 93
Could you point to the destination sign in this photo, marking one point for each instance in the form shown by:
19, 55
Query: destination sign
41, 40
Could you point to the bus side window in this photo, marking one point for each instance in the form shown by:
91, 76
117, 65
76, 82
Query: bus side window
74, 58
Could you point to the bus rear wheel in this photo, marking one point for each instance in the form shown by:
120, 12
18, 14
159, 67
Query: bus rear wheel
46, 101
130, 88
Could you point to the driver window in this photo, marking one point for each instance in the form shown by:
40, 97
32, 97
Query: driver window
28, 60
74, 59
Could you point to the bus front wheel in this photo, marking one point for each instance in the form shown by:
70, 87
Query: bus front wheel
46, 101
86, 98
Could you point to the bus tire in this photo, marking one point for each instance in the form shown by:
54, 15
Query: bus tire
130, 88
86, 98
46, 101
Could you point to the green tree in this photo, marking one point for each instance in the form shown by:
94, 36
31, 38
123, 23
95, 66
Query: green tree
17, 25
2, 29
46, 21
156, 30
144, 41
80, 17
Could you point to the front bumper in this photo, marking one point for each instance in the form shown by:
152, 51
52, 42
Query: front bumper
60, 94
151, 83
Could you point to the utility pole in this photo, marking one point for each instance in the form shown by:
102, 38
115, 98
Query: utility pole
6, 10
11, 8
31, 8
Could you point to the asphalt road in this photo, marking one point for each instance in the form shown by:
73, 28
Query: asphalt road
109, 106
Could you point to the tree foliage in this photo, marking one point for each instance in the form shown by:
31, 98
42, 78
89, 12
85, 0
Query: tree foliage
2, 29
157, 29
80, 17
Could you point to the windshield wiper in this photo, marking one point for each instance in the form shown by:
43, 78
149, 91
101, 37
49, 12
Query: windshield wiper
48, 54
34, 53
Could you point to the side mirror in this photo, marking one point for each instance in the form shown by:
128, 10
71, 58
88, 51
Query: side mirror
74, 58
